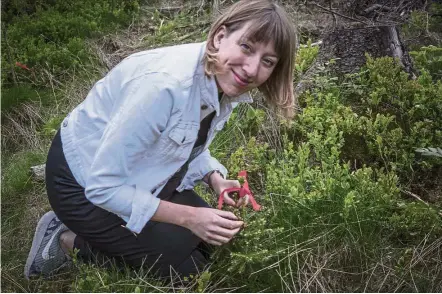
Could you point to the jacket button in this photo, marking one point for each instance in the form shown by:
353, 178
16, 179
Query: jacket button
204, 107
65, 123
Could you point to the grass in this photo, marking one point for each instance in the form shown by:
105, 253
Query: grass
14, 96
23, 202
299, 243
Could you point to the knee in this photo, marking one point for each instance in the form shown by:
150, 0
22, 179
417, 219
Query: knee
194, 264
67, 241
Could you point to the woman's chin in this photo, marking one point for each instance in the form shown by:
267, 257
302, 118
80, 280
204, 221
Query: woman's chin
233, 91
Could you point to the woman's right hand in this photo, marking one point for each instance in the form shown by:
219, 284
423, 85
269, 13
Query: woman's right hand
216, 227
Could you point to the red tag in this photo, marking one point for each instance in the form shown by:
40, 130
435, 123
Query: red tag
243, 191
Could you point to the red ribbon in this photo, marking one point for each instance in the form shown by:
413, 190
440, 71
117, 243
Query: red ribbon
243, 191
21, 65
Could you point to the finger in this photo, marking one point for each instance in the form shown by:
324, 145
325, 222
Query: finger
226, 232
235, 231
229, 224
228, 200
236, 183
243, 201
224, 236
219, 238
225, 214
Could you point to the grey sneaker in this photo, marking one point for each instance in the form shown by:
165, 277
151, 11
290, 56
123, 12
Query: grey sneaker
46, 255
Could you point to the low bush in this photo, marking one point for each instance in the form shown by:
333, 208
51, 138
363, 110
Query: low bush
332, 195
48, 44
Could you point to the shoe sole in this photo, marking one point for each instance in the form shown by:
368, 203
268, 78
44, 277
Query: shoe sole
38, 238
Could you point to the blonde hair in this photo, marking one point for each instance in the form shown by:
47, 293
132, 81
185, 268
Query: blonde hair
269, 22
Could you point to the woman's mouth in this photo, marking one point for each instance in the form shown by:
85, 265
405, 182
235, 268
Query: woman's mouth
241, 81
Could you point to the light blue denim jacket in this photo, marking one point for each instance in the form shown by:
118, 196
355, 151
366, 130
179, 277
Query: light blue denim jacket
137, 127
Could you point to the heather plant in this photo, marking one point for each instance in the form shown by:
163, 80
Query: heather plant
308, 205
423, 27
337, 181
429, 59
305, 56
388, 115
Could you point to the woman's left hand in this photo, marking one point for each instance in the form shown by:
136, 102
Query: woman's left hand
219, 185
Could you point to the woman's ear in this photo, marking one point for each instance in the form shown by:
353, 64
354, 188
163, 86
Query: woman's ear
220, 34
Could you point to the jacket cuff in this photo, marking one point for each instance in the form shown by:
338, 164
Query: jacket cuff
144, 206
200, 167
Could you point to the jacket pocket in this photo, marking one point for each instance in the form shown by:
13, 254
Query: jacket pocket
180, 141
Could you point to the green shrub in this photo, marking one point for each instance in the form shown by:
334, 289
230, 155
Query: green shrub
387, 114
52, 38
429, 59
305, 57
414, 222
335, 183
424, 26
309, 198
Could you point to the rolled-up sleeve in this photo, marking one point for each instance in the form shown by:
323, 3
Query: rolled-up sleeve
144, 112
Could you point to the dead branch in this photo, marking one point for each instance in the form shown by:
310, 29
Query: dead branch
339, 14
312, 44
377, 7
417, 198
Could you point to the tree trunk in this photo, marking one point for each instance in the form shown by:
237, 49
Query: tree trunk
349, 46
359, 28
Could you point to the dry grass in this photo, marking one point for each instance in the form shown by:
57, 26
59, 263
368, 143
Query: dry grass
20, 126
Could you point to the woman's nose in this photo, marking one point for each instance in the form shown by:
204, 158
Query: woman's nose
251, 67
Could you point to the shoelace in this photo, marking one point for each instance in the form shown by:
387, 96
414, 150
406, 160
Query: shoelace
243, 191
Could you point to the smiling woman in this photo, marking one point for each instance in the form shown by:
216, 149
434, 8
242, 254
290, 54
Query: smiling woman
121, 170
255, 38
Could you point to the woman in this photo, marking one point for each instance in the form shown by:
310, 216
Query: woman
121, 169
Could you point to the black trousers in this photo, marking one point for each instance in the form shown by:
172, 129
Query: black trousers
101, 234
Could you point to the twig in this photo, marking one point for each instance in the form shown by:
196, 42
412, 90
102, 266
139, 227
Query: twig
376, 6
185, 36
312, 44
170, 11
335, 20
418, 198
215, 8
414, 195
341, 15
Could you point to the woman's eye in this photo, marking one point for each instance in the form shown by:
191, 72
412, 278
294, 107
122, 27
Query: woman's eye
245, 47
268, 62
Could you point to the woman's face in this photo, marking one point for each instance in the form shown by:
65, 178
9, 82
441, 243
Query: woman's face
244, 65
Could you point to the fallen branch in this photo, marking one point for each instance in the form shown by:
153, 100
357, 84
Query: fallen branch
311, 45
170, 11
417, 198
